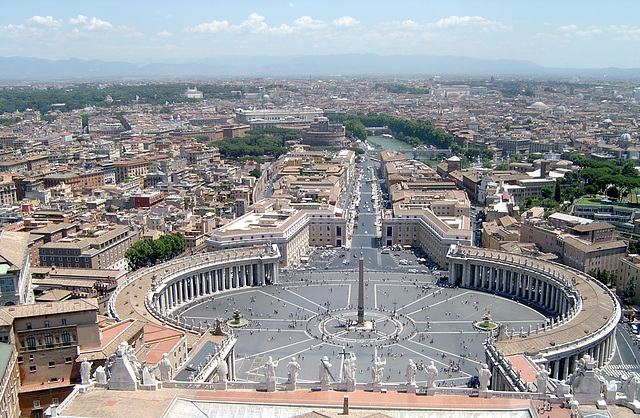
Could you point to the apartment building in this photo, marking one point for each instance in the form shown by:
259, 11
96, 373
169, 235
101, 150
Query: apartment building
104, 249
79, 182
9, 382
129, 169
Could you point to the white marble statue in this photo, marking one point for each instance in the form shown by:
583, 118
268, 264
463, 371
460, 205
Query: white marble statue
412, 370
223, 369
85, 371
325, 371
631, 386
542, 378
269, 369
349, 369
101, 375
293, 368
377, 370
484, 376
432, 374
164, 365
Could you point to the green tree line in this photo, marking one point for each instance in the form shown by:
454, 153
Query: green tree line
148, 252
82, 95
258, 142
413, 132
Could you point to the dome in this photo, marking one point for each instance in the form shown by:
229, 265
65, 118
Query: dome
625, 137
539, 106
454, 158
607, 121
561, 109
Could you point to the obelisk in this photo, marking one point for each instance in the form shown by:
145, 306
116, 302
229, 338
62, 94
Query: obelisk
360, 322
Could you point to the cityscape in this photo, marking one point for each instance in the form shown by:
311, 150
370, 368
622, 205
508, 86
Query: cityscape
289, 215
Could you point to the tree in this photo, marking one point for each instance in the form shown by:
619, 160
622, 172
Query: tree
255, 173
147, 252
629, 292
613, 192
556, 193
546, 192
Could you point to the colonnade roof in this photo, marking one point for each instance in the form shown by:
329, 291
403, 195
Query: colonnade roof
598, 307
129, 302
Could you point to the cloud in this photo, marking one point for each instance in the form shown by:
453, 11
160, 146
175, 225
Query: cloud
345, 22
469, 21
255, 24
568, 28
307, 23
91, 25
45, 21
164, 34
214, 26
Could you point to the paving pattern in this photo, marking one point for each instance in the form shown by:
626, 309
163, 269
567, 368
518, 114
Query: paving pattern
306, 317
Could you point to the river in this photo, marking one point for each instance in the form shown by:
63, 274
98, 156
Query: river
386, 143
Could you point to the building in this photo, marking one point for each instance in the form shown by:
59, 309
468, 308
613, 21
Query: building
8, 193
628, 276
80, 182
293, 230
193, 93
129, 169
321, 133
104, 250
15, 270
9, 382
580, 244
272, 118
48, 338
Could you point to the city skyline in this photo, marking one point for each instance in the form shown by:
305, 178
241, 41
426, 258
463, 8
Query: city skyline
560, 35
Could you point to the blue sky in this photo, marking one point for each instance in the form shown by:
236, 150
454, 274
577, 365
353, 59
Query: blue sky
588, 34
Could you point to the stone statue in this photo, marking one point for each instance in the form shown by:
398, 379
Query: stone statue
377, 370
147, 378
432, 374
542, 378
85, 371
349, 369
412, 370
164, 365
484, 376
269, 369
101, 375
293, 368
325, 371
223, 369
631, 388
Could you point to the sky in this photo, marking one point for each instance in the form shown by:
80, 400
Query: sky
560, 33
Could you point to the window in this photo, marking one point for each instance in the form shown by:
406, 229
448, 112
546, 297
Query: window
20, 359
66, 338
6, 285
48, 340
32, 369
28, 325
52, 364
68, 360
47, 324
54, 401
31, 342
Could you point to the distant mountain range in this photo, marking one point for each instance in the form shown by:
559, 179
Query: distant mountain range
18, 69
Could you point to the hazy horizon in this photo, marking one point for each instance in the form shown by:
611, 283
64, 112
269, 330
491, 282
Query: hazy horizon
567, 34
